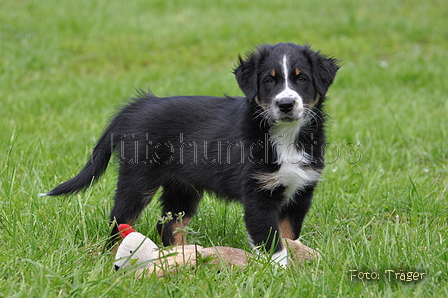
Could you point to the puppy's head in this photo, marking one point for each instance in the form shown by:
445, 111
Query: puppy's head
285, 79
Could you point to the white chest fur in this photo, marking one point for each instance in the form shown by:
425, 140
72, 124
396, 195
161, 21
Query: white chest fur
294, 172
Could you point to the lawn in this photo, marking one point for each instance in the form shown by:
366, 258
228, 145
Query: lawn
65, 67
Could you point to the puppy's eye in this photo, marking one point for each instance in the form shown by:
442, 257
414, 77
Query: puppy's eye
301, 79
270, 81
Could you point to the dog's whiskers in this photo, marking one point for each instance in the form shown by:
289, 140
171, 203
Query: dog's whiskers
265, 116
315, 116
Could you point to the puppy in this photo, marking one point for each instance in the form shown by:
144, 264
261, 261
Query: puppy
265, 150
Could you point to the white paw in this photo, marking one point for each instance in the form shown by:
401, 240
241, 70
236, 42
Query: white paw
281, 257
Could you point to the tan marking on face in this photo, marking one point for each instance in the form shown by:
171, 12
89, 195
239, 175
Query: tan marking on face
286, 229
257, 100
313, 103
180, 237
272, 72
297, 71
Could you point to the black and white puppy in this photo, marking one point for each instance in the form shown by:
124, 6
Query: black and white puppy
265, 150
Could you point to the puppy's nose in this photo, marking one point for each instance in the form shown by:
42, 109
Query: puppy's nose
116, 267
285, 105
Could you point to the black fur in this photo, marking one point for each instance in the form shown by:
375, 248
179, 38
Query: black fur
188, 144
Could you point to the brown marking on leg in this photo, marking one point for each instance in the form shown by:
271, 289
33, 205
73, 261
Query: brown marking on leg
131, 221
286, 229
180, 237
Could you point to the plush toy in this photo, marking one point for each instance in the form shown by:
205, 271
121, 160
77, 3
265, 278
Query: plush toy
139, 249
135, 248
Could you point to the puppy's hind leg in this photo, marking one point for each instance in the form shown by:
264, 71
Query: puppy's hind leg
177, 198
131, 198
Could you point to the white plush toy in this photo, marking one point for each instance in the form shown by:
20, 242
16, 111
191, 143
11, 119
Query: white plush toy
139, 249
134, 249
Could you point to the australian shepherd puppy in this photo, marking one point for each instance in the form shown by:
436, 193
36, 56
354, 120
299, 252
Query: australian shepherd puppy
265, 150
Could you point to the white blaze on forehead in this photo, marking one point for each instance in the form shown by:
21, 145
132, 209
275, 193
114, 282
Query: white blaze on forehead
285, 70
288, 92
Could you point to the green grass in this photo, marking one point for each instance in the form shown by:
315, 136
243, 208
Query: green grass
66, 66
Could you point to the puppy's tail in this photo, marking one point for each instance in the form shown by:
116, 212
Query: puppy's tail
94, 168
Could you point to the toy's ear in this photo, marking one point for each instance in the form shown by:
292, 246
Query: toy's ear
324, 72
246, 72
125, 230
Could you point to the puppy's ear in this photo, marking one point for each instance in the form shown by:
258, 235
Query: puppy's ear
247, 71
246, 75
324, 72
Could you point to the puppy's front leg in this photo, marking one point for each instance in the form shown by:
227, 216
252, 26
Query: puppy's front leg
262, 222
